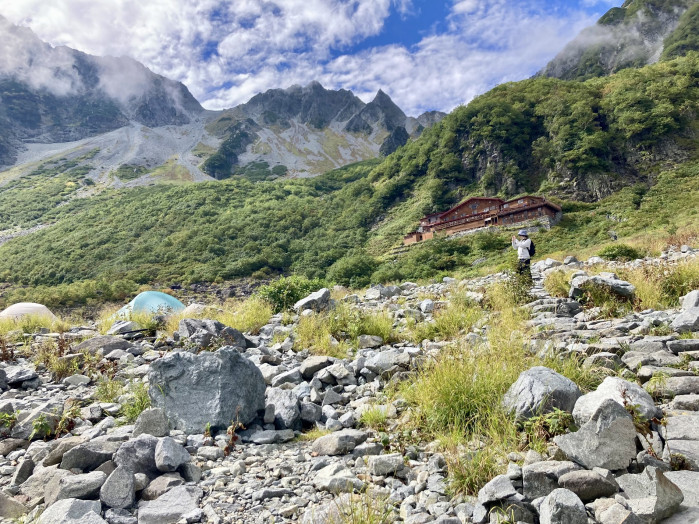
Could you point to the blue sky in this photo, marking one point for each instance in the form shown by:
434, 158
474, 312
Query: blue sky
426, 54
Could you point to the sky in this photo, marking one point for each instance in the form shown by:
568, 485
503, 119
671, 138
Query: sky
426, 54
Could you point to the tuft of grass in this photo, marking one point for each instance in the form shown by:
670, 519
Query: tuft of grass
620, 252
365, 508
587, 379
137, 402
247, 316
344, 324
660, 287
599, 295
109, 390
542, 428
312, 434
375, 418
460, 315
557, 283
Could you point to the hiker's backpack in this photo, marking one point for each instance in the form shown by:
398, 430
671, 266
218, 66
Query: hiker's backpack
532, 248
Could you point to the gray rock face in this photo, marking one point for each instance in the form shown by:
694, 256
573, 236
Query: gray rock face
171, 506
169, 455
161, 485
386, 465
538, 391
607, 441
499, 488
118, 490
615, 389
214, 388
389, 362
588, 485
287, 414
10, 508
653, 496
138, 455
340, 442
686, 321
89, 455
562, 506
370, 341
74, 487
203, 332
317, 301
312, 365
152, 421
690, 300
73, 511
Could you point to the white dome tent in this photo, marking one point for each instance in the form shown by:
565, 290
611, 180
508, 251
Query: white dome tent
22, 309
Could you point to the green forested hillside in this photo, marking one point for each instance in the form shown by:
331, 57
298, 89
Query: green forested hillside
629, 139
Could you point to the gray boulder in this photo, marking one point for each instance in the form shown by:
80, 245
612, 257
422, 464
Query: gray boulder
312, 365
102, 345
686, 321
203, 332
389, 362
339, 443
317, 301
620, 391
386, 465
83, 486
138, 455
499, 488
90, 455
118, 491
538, 391
209, 388
152, 421
588, 485
10, 508
170, 455
562, 506
73, 511
171, 506
607, 441
285, 403
161, 485
369, 341
688, 482
541, 478
337, 478
652, 496
690, 300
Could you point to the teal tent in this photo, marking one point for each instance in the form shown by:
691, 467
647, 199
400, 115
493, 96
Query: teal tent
152, 302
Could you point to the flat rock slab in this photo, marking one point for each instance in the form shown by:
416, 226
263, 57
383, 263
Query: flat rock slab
171, 506
339, 443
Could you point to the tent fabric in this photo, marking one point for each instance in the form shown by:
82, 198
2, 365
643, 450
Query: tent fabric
152, 302
22, 309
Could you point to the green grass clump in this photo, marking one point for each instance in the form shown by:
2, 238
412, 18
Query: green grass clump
109, 389
557, 283
138, 401
284, 292
374, 417
460, 315
620, 252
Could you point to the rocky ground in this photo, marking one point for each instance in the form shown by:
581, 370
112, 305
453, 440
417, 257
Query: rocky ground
181, 461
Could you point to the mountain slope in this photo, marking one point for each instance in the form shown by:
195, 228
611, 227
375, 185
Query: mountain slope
630, 137
633, 35
306, 131
59, 94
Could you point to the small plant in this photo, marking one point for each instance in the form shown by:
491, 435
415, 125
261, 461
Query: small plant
656, 385
599, 295
108, 390
7, 422
232, 435
312, 435
207, 430
542, 428
67, 422
7, 350
137, 402
678, 462
40, 428
283, 293
557, 283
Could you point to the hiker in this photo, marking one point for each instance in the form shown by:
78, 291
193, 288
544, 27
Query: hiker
525, 248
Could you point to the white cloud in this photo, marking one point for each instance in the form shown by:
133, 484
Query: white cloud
227, 51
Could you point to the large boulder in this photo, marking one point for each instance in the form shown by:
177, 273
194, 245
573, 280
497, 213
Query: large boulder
102, 345
538, 391
118, 491
607, 441
73, 511
619, 390
318, 301
138, 455
209, 388
340, 442
203, 332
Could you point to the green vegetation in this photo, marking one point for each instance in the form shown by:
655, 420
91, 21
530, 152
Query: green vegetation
283, 293
579, 140
620, 252
685, 38
137, 401
128, 172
